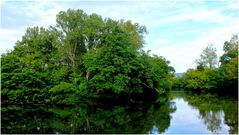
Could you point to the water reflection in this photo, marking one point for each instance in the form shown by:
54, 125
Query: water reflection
213, 121
220, 115
185, 113
134, 118
204, 113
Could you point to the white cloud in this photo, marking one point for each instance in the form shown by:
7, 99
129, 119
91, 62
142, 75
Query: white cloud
8, 39
6, 33
182, 55
195, 15
2, 2
174, 42
232, 4
33, 13
159, 41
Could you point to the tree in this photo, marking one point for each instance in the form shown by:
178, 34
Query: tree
82, 55
218, 79
229, 60
117, 67
232, 44
71, 24
26, 71
230, 50
208, 58
81, 33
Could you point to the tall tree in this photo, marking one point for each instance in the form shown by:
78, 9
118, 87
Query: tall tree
81, 33
71, 24
208, 58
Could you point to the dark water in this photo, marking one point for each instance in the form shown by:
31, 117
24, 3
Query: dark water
178, 113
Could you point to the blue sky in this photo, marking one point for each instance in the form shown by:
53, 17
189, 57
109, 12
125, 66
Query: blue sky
178, 29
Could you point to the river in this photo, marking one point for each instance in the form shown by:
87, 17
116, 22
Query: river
180, 112
205, 114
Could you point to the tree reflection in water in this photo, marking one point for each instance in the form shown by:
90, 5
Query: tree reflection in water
213, 109
134, 118
212, 120
217, 114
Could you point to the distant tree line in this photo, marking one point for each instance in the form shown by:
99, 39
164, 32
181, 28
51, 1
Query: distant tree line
208, 77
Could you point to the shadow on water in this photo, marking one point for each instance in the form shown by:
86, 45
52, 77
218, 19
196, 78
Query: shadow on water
178, 112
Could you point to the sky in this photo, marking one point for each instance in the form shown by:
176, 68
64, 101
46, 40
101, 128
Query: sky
177, 29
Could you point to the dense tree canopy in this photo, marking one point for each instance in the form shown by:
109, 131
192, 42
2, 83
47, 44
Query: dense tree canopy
82, 55
81, 32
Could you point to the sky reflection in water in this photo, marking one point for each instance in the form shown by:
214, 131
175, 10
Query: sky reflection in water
187, 119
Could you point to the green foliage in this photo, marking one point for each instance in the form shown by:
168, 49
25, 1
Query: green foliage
231, 50
202, 80
62, 88
217, 79
229, 60
231, 68
110, 68
81, 56
81, 33
129, 70
161, 71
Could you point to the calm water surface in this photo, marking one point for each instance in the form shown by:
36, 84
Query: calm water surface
202, 114
180, 113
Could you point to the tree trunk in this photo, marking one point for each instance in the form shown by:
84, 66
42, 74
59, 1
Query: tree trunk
87, 75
